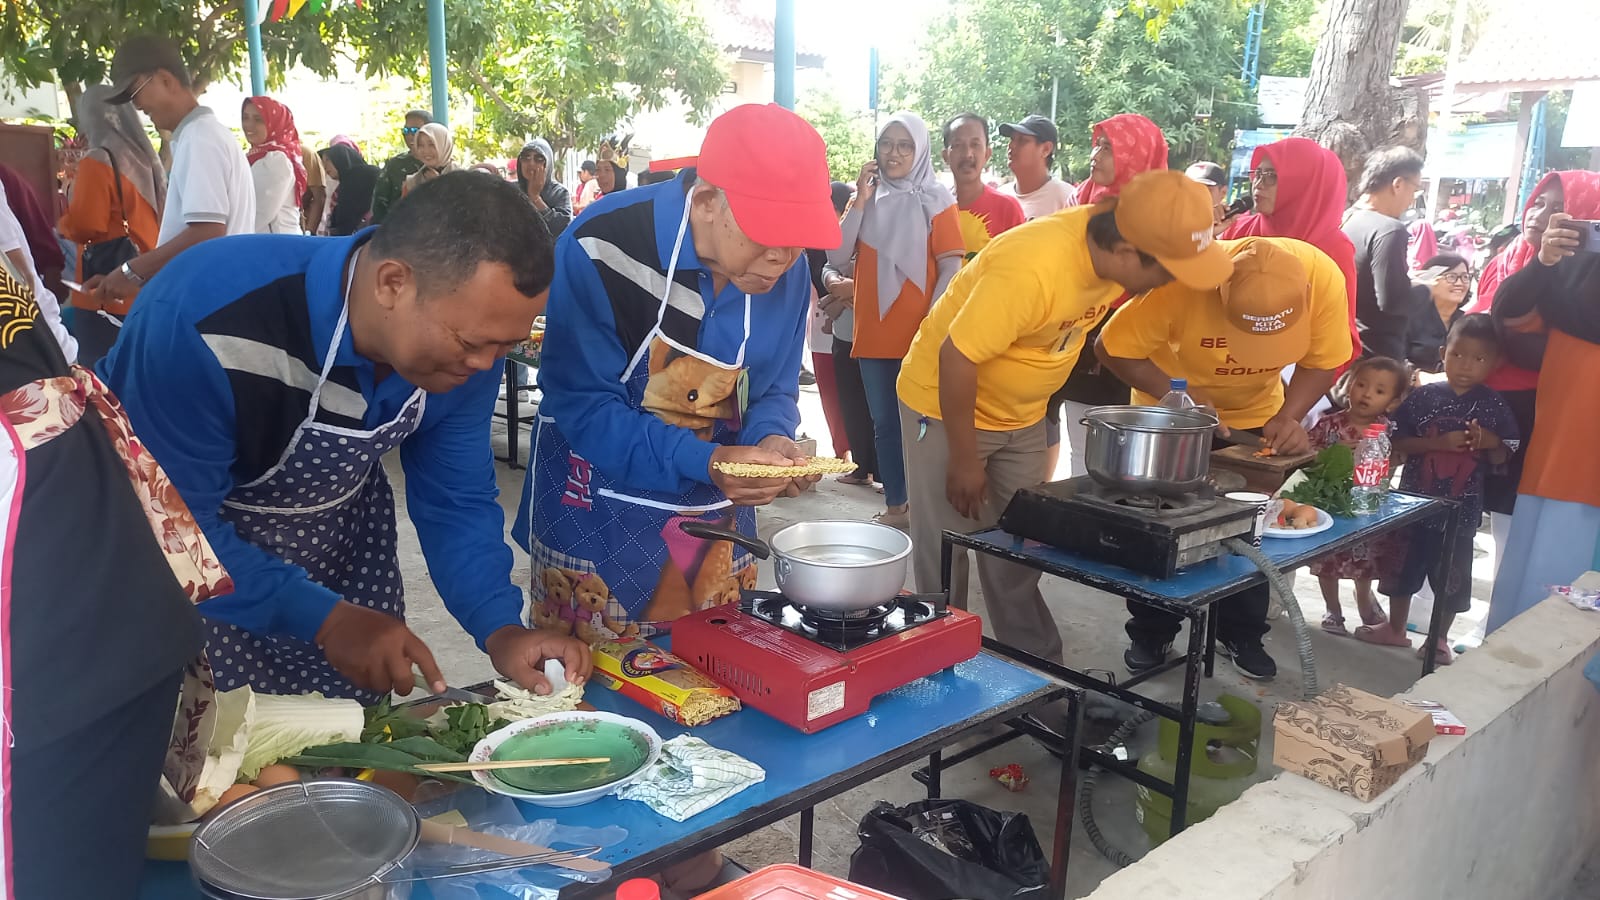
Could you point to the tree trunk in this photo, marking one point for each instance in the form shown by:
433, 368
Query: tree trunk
1350, 106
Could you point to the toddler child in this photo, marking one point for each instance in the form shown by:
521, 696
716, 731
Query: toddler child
1374, 389
1450, 432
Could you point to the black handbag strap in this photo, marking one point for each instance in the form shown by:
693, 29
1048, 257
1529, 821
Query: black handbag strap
116, 179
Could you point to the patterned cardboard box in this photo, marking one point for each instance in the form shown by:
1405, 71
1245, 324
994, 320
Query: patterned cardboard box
1350, 740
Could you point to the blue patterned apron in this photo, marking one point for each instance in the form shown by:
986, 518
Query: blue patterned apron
328, 508
608, 559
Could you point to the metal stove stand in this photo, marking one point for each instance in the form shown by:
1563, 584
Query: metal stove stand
1194, 605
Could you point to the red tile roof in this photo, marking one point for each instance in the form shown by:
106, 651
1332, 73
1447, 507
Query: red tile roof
747, 25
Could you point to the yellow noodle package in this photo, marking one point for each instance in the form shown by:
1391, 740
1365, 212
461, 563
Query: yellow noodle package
646, 674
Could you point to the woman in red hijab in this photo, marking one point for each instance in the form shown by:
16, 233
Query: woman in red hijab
276, 165
1299, 188
1576, 193
1124, 146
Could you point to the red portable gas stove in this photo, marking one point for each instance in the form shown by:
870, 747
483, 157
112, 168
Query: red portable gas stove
812, 669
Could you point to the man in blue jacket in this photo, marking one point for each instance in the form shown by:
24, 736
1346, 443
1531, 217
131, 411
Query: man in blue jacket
677, 320
270, 374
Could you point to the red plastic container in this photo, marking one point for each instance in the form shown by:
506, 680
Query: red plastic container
791, 882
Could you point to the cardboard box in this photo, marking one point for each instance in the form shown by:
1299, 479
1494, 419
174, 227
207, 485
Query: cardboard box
1350, 740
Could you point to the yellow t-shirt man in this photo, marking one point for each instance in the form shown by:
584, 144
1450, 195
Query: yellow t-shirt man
1019, 310
1190, 334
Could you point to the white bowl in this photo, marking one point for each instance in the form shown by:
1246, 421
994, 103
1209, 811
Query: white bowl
484, 751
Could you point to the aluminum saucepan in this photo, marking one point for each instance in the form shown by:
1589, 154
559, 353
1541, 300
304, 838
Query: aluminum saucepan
1148, 449
833, 565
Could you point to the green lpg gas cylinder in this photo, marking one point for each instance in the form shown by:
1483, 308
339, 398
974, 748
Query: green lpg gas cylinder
1227, 737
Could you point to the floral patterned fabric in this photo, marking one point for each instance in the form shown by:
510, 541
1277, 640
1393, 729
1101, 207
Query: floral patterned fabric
42, 410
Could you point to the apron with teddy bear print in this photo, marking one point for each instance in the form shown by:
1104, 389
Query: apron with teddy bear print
610, 560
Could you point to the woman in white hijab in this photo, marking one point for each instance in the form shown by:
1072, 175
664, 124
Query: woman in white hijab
436, 149
902, 244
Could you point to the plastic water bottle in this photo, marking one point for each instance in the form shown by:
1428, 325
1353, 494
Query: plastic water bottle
1372, 471
1178, 395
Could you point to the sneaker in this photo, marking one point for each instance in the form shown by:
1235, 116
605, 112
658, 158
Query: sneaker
807, 379
1142, 656
1252, 660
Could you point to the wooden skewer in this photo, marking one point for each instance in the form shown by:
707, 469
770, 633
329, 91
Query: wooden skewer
491, 765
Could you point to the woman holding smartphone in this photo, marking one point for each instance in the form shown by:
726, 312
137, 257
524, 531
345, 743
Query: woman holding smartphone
902, 244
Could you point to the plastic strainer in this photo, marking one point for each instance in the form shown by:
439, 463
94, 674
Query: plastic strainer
304, 840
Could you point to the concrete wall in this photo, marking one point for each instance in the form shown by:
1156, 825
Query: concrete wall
1509, 811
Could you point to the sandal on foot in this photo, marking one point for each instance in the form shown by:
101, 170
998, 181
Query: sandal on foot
1444, 657
1382, 636
900, 520
1373, 617
1333, 624
857, 479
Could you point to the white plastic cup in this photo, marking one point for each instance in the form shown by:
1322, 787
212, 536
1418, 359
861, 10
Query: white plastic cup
1261, 501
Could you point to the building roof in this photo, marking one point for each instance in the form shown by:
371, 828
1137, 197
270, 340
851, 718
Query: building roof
1534, 45
745, 27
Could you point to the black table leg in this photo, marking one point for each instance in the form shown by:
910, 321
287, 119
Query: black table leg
1186, 723
805, 836
1066, 798
935, 763
1436, 622
513, 416
1211, 642
947, 556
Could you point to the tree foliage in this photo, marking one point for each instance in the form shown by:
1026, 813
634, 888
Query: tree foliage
1177, 63
569, 70
848, 137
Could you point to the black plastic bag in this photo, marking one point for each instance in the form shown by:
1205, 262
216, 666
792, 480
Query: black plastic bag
949, 849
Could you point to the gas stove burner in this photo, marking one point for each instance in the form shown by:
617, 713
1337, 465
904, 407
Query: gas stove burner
845, 630
844, 624
1154, 504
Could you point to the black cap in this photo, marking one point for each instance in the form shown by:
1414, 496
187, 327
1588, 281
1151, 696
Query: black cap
1037, 127
1208, 173
139, 56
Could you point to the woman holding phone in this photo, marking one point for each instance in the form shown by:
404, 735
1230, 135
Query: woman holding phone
902, 245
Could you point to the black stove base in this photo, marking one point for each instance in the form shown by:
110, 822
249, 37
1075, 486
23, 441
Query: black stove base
845, 631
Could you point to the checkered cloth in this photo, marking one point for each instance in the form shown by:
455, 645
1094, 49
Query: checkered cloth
691, 777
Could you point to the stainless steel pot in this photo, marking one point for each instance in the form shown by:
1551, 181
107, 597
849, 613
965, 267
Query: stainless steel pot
1148, 449
834, 565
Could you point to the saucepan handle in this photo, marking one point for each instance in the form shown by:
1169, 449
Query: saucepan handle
709, 532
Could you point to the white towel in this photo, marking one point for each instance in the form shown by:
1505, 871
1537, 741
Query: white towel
691, 777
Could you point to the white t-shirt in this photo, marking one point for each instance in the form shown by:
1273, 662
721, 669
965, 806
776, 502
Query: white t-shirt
1053, 196
13, 238
210, 179
277, 208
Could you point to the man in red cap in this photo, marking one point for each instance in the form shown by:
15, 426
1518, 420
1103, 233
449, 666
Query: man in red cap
677, 321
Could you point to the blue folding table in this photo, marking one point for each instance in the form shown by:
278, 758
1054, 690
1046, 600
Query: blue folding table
910, 723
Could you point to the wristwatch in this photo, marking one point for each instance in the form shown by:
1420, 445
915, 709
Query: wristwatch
131, 275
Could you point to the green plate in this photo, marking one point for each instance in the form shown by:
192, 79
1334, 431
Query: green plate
627, 748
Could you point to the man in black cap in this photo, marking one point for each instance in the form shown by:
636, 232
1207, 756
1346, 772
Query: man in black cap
209, 192
1215, 178
1031, 156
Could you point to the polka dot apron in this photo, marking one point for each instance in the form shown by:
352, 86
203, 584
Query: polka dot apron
328, 508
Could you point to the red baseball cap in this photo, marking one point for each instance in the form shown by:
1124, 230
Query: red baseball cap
773, 167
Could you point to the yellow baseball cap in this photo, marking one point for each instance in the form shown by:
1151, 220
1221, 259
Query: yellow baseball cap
1266, 301
1169, 216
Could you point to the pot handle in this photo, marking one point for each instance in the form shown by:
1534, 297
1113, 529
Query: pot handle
709, 532
1100, 423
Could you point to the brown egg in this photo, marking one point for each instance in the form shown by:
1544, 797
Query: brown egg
274, 775
237, 792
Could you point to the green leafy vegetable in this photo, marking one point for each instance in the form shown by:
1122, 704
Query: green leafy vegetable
463, 726
403, 755
1328, 481
385, 723
281, 725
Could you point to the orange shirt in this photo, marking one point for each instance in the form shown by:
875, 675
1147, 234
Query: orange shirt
889, 337
93, 214
1562, 463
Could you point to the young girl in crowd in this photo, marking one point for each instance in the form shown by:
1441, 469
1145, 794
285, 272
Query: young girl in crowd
1375, 388
1451, 432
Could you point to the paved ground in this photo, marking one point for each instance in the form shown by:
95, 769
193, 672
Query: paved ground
1091, 627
